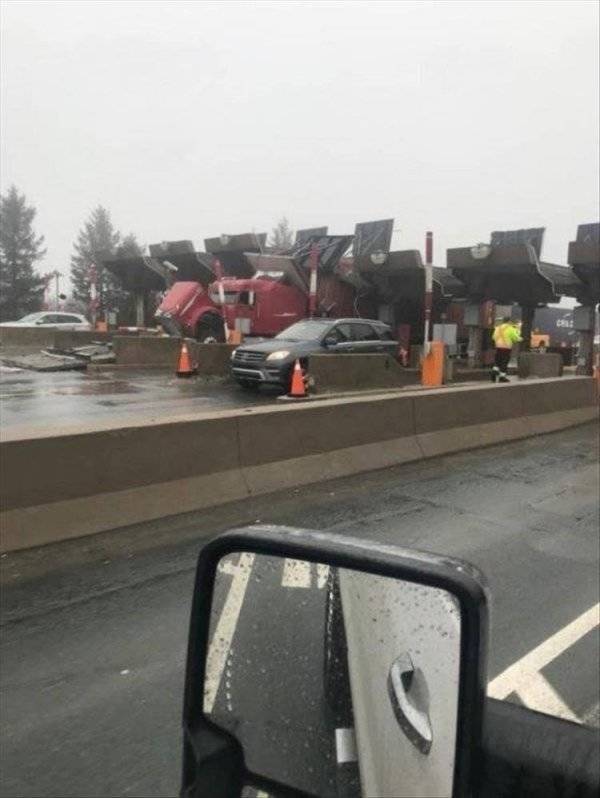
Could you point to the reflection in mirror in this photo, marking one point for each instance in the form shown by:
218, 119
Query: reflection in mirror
335, 682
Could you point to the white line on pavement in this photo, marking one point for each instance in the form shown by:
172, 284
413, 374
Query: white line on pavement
539, 694
225, 629
345, 746
296, 573
523, 677
322, 574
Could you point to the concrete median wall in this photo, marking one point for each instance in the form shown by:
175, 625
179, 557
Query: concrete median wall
357, 372
39, 338
27, 341
77, 483
538, 364
163, 352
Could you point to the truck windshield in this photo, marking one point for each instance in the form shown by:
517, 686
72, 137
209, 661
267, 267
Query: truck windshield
304, 330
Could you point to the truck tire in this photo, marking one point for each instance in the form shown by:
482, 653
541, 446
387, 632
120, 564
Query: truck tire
209, 329
249, 385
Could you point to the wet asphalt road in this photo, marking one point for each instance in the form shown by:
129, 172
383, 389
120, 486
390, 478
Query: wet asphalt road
94, 631
30, 399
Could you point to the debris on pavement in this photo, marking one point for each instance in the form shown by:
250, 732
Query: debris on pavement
53, 359
45, 362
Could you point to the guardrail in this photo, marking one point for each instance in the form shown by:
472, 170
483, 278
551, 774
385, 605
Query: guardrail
71, 484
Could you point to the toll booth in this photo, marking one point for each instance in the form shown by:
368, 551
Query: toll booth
508, 271
398, 278
147, 277
584, 259
230, 251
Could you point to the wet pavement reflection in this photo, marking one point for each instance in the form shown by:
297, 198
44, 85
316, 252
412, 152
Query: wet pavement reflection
29, 398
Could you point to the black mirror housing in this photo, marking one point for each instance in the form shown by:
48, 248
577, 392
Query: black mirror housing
213, 755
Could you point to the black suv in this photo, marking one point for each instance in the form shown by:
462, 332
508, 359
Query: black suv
271, 362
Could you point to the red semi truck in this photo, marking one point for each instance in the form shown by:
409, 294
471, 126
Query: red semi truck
276, 291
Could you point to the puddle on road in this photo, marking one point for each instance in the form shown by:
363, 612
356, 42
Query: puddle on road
96, 389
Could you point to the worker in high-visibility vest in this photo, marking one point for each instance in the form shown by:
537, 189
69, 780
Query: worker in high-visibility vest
506, 335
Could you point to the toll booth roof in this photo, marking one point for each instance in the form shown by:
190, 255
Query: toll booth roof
134, 274
276, 265
330, 248
242, 242
148, 273
511, 274
584, 258
402, 275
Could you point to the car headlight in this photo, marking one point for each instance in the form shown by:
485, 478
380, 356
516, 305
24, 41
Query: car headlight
280, 355
233, 354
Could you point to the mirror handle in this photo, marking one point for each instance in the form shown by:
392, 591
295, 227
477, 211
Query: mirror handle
413, 721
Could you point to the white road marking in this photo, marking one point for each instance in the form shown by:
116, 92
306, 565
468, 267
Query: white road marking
524, 678
296, 573
322, 574
225, 629
227, 567
539, 694
345, 746
592, 716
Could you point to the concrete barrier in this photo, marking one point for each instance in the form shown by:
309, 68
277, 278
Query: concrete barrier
27, 341
538, 364
69, 484
39, 338
163, 352
351, 372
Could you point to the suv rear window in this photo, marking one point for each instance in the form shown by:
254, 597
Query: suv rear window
364, 332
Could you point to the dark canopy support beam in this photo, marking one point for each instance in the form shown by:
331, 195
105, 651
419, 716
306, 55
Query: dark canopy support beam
527, 314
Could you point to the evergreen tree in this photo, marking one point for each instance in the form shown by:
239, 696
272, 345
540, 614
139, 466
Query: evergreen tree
129, 247
97, 241
21, 289
282, 236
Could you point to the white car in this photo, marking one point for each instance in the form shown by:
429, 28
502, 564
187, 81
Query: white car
51, 319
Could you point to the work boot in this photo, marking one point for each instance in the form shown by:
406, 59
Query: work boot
503, 378
495, 373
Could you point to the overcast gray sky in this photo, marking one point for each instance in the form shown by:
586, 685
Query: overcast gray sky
188, 119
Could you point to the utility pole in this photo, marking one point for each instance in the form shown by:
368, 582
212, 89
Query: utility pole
313, 265
57, 275
94, 301
428, 290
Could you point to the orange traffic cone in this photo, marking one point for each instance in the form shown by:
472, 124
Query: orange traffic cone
184, 364
297, 388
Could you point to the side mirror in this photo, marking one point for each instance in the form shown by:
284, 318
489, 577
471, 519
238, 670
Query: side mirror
330, 341
318, 661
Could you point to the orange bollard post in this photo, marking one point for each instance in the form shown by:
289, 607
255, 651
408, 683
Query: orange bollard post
432, 366
234, 337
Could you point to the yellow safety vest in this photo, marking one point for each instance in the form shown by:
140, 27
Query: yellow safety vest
505, 335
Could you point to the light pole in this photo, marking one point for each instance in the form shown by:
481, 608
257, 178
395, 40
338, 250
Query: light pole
428, 290
57, 275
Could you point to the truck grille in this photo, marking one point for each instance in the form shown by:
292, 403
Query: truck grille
248, 356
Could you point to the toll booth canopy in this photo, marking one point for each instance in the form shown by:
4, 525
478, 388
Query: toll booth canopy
584, 259
509, 270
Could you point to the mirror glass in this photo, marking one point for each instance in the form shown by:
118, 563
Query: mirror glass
336, 682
